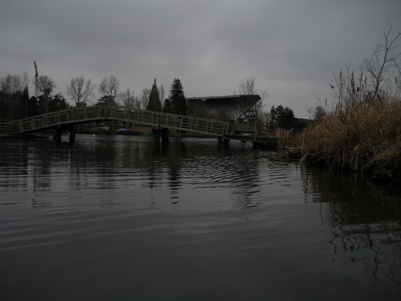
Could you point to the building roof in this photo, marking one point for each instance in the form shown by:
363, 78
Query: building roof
226, 101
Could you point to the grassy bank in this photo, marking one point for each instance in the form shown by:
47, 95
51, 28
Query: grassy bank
363, 136
363, 132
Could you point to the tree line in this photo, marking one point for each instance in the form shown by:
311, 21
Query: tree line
281, 117
16, 103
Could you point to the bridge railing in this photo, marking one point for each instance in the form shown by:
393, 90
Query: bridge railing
7, 128
179, 122
52, 119
95, 113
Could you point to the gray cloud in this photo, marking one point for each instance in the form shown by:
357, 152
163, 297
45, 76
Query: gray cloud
291, 48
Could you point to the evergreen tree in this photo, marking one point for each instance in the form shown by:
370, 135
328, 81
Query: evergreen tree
177, 99
24, 103
154, 103
33, 107
58, 102
167, 106
43, 103
10, 105
272, 122
282, 117
107, 101
3, 107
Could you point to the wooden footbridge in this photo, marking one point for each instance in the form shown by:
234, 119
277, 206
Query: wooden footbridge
66, 119
98, 114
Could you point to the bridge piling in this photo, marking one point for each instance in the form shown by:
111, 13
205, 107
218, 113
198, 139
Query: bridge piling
156, 135
223, 141
165, 139
71, 135
58, 130
161, 134
57, 134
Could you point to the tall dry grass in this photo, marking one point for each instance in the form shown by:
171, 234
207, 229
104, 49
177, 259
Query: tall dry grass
359, 135
363, 131
285, 138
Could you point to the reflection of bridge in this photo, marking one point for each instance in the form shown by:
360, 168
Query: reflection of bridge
68, 118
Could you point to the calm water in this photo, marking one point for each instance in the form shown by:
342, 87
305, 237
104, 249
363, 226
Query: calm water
114, 218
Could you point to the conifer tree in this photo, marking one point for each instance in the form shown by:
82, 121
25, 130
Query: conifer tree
177, 99
282, 117
154, 99
167, 106
24, 103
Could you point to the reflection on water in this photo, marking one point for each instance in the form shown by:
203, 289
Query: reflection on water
364, 219
115, 217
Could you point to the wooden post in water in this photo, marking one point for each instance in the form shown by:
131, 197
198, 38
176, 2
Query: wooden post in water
161, 133
164, 135
72, 134
57, 134
156, 136
223, 141
226, 142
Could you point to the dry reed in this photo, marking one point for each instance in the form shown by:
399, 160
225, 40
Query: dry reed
362, 136
285, 138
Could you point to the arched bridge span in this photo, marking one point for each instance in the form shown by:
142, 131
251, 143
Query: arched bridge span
214, 128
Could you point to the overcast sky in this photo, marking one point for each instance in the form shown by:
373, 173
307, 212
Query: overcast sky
290, 47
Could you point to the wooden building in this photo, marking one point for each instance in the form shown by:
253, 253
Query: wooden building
234, 108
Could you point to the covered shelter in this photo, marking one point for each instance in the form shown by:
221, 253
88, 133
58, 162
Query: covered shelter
239, 110
233, 108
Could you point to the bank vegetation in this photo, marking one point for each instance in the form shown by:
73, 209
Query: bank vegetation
362, 131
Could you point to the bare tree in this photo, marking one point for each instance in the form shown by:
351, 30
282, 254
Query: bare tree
109, 87
375, 79
129, 100
80, 90
161, 93
137, 103
46, 85
144, 98
12, 84
247, 90
25, 79
247, 87
385, 60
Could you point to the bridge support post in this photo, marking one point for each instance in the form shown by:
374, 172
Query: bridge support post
156, 136
163, 134
57, 134
223, 141
226, 142
72, 133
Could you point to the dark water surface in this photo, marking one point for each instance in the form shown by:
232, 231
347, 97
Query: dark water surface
113, 218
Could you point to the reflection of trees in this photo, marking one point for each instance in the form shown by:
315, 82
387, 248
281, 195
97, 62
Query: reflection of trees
30, 159
92, 158
364, 220
177, 148
243, 174
154, 160
41, 170
106, 155
14, 155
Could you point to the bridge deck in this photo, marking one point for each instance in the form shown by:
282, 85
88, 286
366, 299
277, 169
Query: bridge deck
209, 127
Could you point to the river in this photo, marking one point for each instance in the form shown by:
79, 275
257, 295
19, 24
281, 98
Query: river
116, 218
